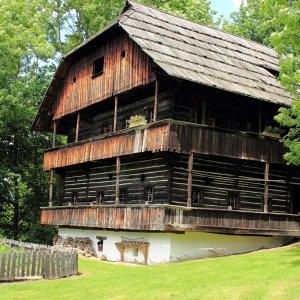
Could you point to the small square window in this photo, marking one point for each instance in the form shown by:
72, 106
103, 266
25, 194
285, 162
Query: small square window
98, 66
149, 194
123, 54
123, 196
197, 197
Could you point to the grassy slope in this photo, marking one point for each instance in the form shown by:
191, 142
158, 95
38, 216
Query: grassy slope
260, 275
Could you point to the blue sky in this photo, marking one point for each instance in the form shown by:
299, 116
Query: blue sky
225, 7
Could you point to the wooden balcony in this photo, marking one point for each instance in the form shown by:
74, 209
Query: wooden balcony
168, 135
168, 218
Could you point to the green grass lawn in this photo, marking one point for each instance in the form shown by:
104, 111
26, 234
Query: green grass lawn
261, 275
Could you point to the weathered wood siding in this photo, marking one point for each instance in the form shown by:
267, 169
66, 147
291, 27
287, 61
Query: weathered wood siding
172, 219
120, 74
110, 217
168, 135
136, 174
216, 177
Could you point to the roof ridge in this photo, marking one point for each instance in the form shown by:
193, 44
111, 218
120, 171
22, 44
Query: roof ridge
212, 28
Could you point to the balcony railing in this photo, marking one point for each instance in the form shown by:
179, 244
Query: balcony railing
168, 135
172, 219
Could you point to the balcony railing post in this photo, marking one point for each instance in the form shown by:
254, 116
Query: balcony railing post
51, 188
266, 189
115, 113
118, 168
190, 179
77, 127
155, 111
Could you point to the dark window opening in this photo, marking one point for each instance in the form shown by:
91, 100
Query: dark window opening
74, 79
207, 181
123, 53
143, 177
149, 194
123, 196
233, 200
98, 66
100, 245
197, 197
99, 197
75, 197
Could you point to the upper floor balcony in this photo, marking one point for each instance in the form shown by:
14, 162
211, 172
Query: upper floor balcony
168, 135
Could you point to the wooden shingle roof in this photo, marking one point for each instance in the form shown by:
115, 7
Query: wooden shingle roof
188, 51
197, 53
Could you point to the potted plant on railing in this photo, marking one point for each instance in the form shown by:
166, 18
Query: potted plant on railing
272, 131
136, 121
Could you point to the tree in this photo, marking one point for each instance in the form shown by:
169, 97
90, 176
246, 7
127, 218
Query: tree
252, 21
287, 43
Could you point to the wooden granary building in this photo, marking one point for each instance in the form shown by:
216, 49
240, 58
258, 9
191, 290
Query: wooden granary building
167, 157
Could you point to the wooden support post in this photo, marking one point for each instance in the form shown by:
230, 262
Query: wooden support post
77, 127
155, 112
51, 188
190, 179
118, 168
266, 190
260, 119
203, 117
51, 171
54, 135
115, 113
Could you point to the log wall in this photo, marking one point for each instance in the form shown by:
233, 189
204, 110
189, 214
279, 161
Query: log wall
136, 174
81, 89
217, 177
99, 122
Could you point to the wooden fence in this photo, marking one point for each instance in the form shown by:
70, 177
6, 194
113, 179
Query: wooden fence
37, 261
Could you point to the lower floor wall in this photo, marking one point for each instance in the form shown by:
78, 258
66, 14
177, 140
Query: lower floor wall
169, 247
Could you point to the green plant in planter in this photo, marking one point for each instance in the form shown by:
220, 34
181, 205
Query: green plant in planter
136, 120
272, 129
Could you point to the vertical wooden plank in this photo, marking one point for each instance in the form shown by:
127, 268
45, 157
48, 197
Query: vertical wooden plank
118, 168
155, 112
18, 265
54, 134
51, 188
67, 259
190, 179
47, 265
3, 263
266, 188
13, 265
57, 258
23, 265
38, 270
27, 273
52, 262
33, 264
77, 127
115, 113
8, 265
